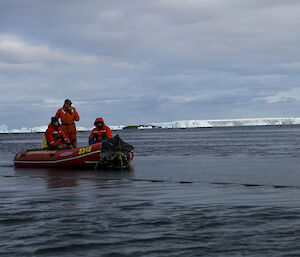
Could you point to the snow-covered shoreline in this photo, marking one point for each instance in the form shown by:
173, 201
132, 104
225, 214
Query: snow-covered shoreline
179, 124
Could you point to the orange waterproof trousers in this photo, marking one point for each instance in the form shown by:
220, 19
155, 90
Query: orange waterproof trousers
71, 133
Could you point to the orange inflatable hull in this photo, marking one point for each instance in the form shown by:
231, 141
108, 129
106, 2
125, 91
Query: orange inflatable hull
82, 157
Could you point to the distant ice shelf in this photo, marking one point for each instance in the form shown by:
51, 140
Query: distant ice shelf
229, 123
179, 124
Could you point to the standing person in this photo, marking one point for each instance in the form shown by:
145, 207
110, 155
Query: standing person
68, 115
100, 132
55, 137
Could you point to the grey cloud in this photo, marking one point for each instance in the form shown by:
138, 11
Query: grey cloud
149, 60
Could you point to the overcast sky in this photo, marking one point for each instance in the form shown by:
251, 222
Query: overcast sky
137, 62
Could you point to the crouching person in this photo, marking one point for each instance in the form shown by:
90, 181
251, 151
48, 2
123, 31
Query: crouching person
55, 137
100, 132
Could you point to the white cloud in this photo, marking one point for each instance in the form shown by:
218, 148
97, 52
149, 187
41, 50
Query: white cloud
14, 50
292, 94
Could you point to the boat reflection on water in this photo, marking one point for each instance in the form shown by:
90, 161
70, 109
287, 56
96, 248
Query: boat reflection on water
63, 178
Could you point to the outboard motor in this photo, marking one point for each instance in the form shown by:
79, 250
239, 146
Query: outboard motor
115, 153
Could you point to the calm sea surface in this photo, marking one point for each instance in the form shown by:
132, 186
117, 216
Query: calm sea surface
190, 192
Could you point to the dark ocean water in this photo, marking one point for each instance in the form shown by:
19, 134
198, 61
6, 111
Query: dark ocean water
190, 192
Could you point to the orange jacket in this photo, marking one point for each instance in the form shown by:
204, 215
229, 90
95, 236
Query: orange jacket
67, 117
55, 136
97, 135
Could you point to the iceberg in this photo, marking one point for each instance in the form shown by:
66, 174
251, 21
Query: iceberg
179, 124
82, 129
229, 123
24, 130
120, 127
39, 129
3, 129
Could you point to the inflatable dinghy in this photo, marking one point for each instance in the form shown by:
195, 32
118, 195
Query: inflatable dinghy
111, 153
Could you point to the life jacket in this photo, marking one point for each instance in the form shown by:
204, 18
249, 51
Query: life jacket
54, 136
67, 117
99, 134
45, 143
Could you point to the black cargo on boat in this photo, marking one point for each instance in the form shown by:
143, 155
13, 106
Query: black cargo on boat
115, 153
